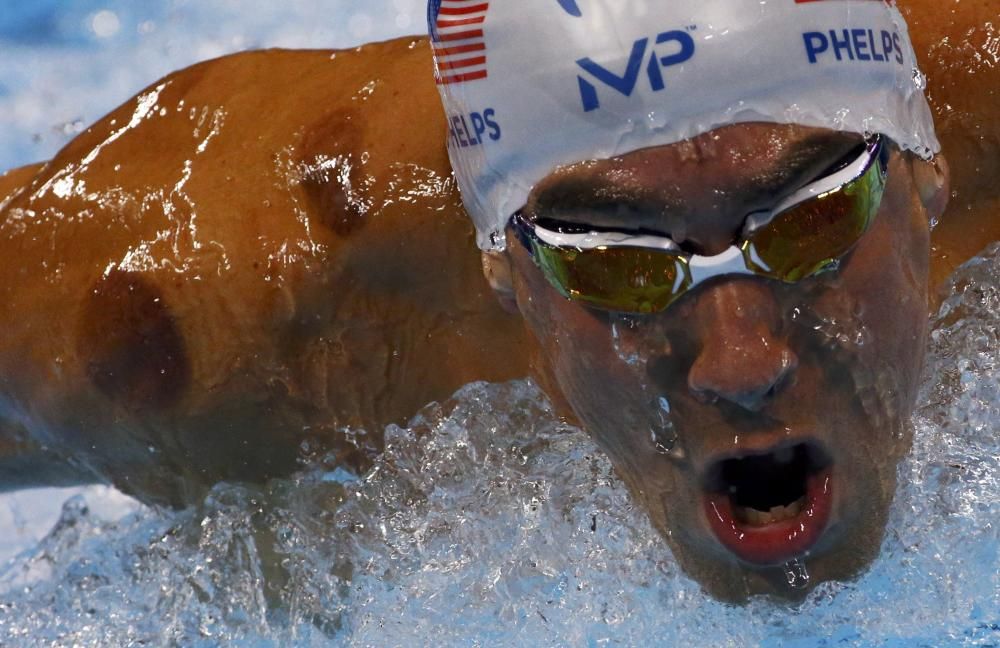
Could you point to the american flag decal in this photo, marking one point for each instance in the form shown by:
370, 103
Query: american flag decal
456, 28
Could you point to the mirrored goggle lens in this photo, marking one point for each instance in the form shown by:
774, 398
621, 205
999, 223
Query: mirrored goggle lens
813, 236
627, 279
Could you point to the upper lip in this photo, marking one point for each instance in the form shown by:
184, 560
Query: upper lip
810, 450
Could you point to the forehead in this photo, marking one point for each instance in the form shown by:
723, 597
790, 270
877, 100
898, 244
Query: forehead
750, 163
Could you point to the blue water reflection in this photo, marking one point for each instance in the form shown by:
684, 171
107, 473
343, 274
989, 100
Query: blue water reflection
65, 63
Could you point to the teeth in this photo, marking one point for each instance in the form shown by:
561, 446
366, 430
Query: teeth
754, 517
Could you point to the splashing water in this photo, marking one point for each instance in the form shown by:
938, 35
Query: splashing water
488, 521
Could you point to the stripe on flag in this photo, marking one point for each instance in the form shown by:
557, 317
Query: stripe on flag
459, 47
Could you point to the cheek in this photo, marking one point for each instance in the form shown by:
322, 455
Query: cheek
887, 279
570, 337
581, 357
581, 361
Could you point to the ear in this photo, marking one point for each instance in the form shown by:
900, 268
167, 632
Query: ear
933, 180
497, 269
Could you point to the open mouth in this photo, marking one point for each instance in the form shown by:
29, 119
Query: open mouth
770, 507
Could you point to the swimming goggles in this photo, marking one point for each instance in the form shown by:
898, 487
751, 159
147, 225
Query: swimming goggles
806, 234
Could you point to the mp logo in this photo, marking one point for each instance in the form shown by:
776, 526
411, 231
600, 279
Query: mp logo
679, 41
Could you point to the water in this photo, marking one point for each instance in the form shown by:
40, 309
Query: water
487, 521
65, 63
663, 434
797, 574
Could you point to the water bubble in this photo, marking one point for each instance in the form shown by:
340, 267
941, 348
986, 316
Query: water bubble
796, 574
105, 23
848, 333
70, 128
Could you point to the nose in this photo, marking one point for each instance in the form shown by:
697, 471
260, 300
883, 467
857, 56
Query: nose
743, 359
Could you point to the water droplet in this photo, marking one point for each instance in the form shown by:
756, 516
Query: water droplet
919, 79
628, 355
663, 433
796, 574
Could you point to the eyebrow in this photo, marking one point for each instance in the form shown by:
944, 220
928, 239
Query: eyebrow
834, 148
601, 202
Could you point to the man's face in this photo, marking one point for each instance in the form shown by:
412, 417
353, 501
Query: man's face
758, 422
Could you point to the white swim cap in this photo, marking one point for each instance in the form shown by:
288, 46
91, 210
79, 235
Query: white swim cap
531, 85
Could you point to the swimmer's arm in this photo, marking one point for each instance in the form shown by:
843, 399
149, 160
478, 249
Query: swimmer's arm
23, 463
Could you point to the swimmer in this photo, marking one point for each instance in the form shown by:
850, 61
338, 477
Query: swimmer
266, 251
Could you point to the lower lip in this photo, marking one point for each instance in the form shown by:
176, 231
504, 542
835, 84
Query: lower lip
777, 542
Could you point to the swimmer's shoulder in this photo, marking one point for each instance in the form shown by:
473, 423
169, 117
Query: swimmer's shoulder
13, 182
334, 135
955, 45
279, 100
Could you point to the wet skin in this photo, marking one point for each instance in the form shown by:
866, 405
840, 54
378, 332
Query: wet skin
748, 366
251, 255
261, 252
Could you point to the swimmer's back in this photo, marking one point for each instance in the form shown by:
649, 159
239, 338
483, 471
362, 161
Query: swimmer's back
957, 46
256, 251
